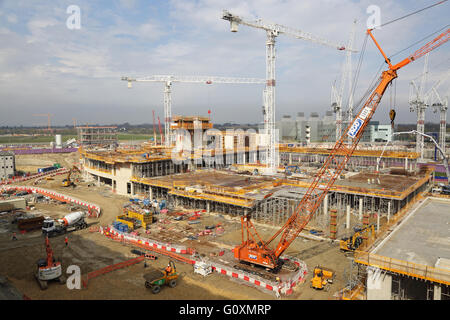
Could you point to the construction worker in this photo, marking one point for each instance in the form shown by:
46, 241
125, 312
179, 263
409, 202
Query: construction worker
14, 236
66, 241
168, 269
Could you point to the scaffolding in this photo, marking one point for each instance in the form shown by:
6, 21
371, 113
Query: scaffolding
97, 136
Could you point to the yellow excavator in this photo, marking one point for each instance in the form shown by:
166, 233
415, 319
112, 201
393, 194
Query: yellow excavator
353, 242
67, 182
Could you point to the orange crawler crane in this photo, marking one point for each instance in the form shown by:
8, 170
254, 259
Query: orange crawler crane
256, 251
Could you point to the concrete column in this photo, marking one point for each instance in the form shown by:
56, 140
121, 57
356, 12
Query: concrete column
207, 206
389, 211
378, 221
379, 286
132, 188
150, 191
325, 205
290, 158
406, 163
360, 208
437, 292
347, 222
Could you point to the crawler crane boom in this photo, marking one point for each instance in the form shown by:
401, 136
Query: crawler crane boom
256, 251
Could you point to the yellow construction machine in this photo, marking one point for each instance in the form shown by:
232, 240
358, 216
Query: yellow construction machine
67, 182
322, 278
353, 242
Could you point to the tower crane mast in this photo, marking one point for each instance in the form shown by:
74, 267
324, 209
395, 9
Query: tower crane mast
337, 96
439, 105
253, 249
169, 79
272, 31
418, 105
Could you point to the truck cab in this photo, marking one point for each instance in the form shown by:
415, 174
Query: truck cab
48, 226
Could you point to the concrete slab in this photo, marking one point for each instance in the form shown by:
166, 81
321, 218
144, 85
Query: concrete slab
423, 238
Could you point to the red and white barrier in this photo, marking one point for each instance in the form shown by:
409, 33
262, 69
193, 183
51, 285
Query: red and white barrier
147, 242
277, 287
34, 176
283, 287
93, 209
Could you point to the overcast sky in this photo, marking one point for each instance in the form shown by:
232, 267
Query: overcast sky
45, 67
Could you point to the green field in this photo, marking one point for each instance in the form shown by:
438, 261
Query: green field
48, 139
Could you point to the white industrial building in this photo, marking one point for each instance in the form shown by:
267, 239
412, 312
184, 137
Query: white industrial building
324, 129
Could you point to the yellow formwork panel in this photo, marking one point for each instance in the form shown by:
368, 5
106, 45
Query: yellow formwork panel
124, 221
146, 219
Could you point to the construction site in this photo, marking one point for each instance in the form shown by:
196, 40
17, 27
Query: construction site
198, 213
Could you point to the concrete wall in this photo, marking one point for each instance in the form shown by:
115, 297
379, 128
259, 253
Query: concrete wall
122, 176
379, 285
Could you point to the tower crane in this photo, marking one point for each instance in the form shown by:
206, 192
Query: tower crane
252, 248
169, 79
440, 105
48, 115
272, 31
337, 96
417, 104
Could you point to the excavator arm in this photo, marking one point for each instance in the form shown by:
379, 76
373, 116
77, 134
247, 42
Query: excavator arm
331, 169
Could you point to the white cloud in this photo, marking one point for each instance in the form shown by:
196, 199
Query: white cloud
11, 18
53, 65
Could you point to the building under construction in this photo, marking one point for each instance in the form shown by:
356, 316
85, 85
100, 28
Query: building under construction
97, 136
359, 195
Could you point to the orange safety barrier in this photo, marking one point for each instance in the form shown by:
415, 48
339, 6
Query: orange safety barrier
110, 268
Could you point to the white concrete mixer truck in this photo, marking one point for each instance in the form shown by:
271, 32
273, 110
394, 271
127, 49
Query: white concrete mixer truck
72, 221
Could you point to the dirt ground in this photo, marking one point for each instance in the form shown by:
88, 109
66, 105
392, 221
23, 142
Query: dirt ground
92, 251
31, 162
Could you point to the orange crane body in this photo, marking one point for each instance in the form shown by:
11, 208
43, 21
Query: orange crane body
256, 251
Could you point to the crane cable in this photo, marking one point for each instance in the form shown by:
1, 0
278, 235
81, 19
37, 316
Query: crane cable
358, 66
412, 13
424, 38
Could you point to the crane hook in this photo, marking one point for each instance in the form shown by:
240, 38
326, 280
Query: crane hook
392, 114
